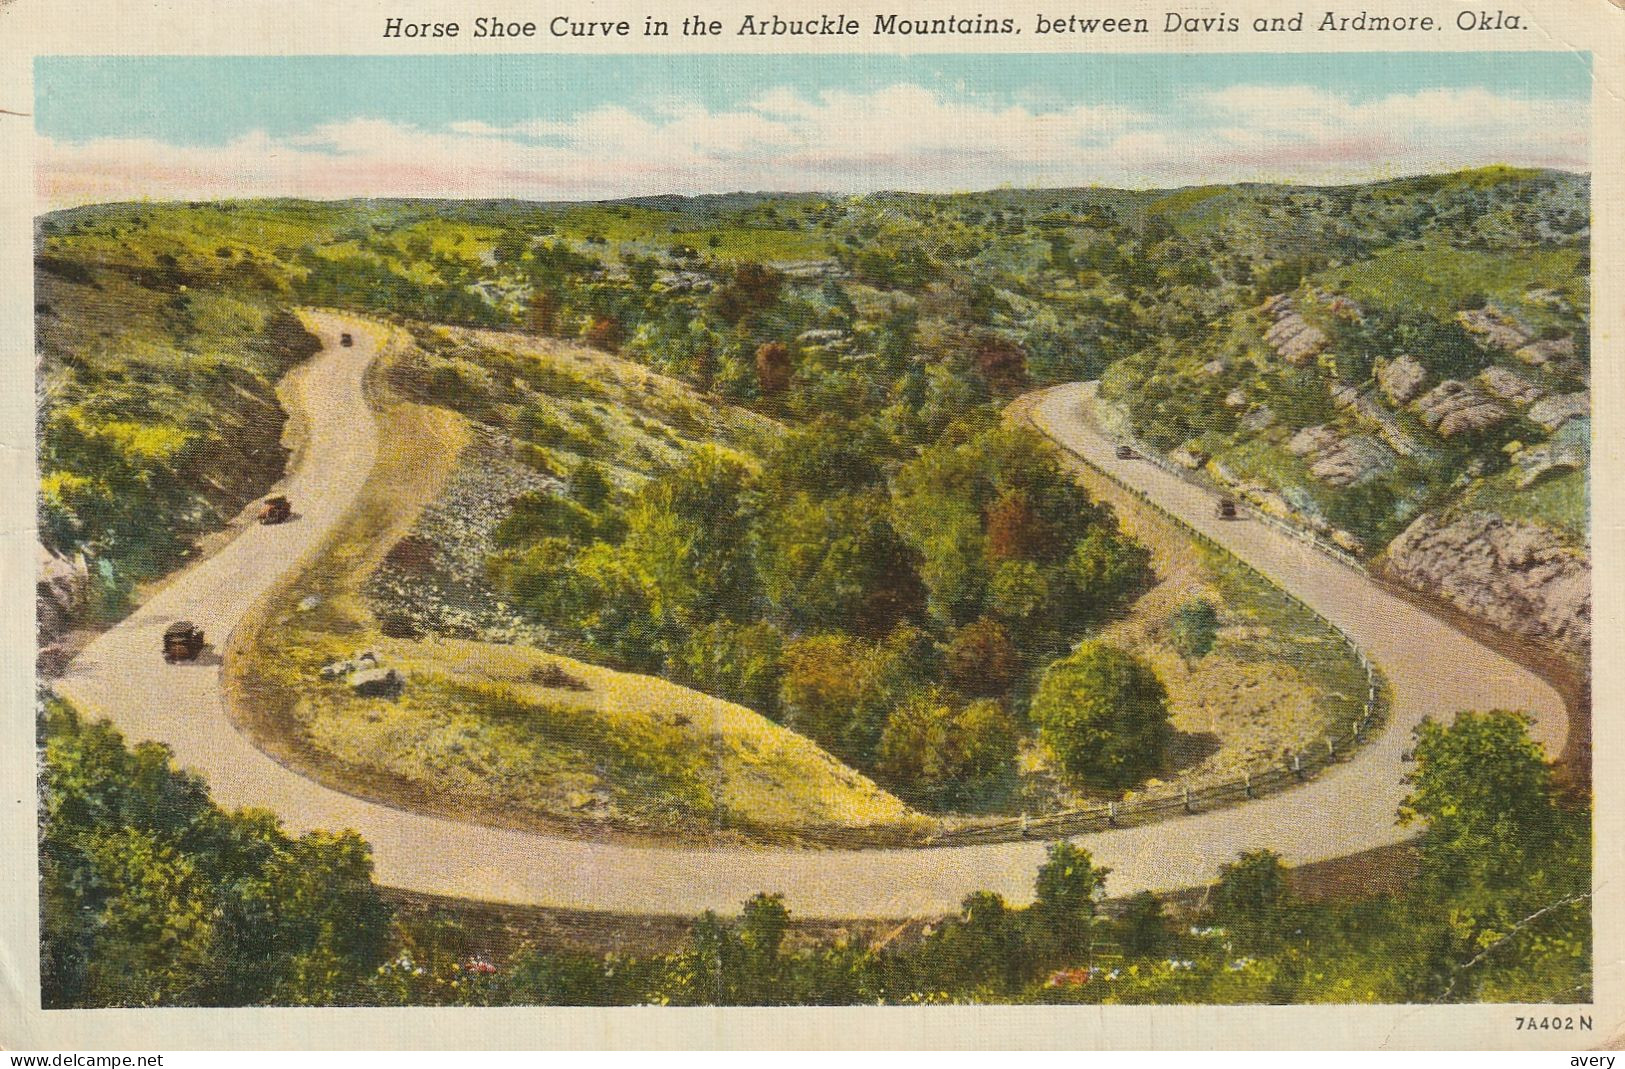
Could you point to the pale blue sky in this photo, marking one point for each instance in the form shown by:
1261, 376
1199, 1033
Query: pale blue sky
578, 125
83, 97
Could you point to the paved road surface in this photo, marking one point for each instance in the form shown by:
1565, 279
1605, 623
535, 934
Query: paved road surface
122, 676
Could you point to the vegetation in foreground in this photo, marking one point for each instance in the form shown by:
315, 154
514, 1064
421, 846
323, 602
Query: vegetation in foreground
152, 896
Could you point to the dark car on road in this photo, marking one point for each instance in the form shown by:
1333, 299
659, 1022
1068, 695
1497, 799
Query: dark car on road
183, 641
345, 340
1126, 452
275, 510
1226, 508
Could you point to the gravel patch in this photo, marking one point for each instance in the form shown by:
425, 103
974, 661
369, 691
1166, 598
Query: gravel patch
433, 581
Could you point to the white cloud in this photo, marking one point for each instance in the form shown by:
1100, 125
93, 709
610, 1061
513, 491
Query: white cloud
901, 137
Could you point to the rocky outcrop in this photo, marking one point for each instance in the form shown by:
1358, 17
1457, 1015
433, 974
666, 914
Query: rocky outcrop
1189, 456
1294, 339
1353, 460
1511, 386
61, 588
1311, 440
1339, 460
1557, 354
1494, 328
1558, 409
1259, 418
1520, 577
1453, 407
1562, 453
1401, 379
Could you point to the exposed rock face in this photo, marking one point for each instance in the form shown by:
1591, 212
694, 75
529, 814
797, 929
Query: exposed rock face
1188, 456
1293, 338
377, 683
61, 587
1259, 418
1517, 576
1558, 409
1311, 440
1296, 340
1213, 367
1557, 353
1353, 460
1338, 460
1511, 386
1494, 327
1454, 406
1385, 423
1402, 379
1562, 453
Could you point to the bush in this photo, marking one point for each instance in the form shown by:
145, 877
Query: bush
938, 753
981, 659
1105, 715
1251, 898
737, 663
1194, 628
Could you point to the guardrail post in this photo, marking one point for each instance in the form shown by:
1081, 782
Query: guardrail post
1111, 814
1187, 798
1247, 784
1297, 765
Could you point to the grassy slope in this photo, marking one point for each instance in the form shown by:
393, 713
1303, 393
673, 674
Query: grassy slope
480, 729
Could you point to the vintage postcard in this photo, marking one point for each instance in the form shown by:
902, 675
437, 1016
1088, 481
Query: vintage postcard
1032, 527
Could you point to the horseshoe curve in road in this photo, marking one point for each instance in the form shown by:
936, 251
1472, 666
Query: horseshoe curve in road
1431, 669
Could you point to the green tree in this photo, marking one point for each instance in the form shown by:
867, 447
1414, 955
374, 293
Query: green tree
938, 752
1104, 714
1067, 893
1252, 899
152, 896
738, 662
981, 660
1194, 628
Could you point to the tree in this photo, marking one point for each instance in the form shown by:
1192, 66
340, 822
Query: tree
1067, 893
1104, 714
773, 368
835, 689
837, 563
940, 753
1483, 788
981, 660
689, 541
1002, 363
152, 896
1014, 531
1251, 899
737, 662
1194, 628
589, 485
751, 289
1107, 567
1144, 926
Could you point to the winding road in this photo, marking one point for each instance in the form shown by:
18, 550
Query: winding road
1431, 668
